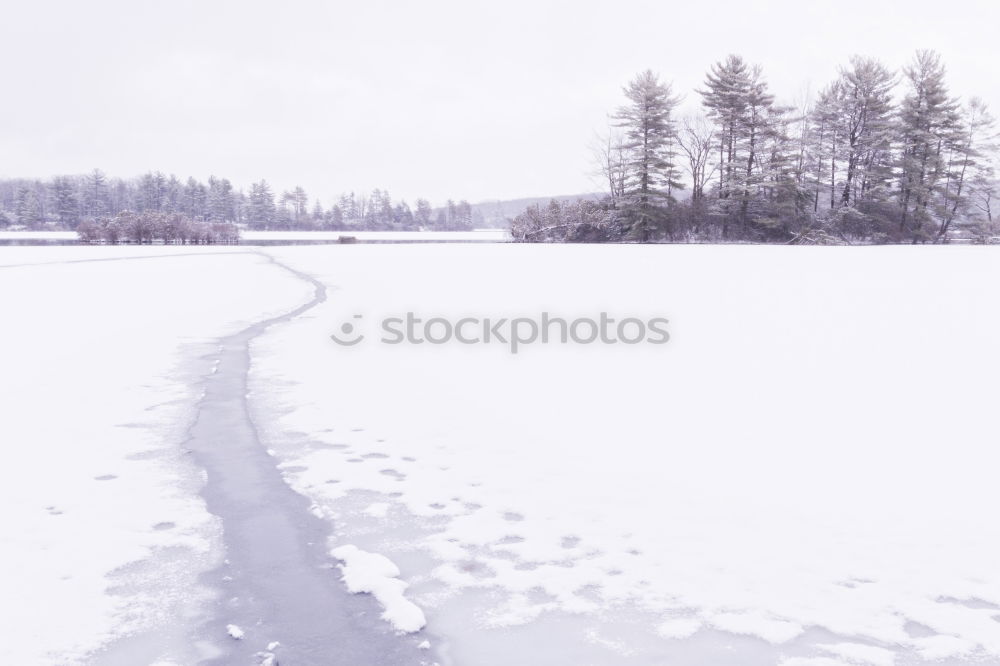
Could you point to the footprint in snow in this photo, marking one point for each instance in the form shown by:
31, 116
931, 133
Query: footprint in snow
570, 541
391, 472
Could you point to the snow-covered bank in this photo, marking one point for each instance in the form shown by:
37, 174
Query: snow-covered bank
808, 463
104, 534
473, 236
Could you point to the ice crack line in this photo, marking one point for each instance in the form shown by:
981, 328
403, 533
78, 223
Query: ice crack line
277, 584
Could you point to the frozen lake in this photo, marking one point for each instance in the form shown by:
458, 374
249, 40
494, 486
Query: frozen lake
803, 476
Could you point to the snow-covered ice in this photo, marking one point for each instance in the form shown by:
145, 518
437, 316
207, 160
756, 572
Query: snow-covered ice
805, 474
809, 462
104, 533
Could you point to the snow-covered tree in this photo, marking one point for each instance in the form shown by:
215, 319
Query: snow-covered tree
64, 201
260, 206
930, 129
648, 124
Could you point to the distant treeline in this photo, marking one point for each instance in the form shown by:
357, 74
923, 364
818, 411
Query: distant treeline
154, 227
876, 157
65, 202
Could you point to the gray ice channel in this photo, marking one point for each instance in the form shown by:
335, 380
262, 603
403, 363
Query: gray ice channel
278, 583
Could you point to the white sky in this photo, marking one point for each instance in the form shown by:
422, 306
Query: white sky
461, 99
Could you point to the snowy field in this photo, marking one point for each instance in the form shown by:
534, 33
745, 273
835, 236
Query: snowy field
805, 475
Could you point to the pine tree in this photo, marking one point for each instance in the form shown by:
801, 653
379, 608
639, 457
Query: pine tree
152, 192
649, 139
27, 207
336, 218
930, 128
300, 203
173, 195
969, 167
826, 148
866, 124
422, 215
67, 208
195, 199
221, 202
349, 208
755, 126
737, 100
97, 201
260, 207
727, 87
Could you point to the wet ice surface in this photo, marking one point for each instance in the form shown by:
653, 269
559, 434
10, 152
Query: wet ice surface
765, 489
280, 595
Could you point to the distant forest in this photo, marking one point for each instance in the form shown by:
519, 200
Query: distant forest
877, 157
94, 199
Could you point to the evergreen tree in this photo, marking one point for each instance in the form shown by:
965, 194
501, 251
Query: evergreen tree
221, 201
737, 100
930, 128
195, 199
64, 202
97, 201
422, 215
649, 139
260, 207
969, 165
866, 124
152, 192
27, 207
727, 87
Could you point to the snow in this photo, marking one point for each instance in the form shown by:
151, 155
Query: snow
813, 448
378, 509
39, 235
477, 235
806, 471
378, 576
104, 534
678, 627
812, 661
857, 653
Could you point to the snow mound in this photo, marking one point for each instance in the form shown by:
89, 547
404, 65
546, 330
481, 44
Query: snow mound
378, 576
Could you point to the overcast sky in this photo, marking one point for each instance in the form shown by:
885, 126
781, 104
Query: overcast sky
458, 99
